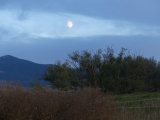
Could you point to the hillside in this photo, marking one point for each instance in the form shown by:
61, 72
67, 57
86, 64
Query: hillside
15, 69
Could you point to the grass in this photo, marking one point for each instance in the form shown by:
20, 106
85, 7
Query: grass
137, 96
20, 103
141, 106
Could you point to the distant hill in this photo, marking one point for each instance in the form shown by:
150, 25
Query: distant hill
15, 69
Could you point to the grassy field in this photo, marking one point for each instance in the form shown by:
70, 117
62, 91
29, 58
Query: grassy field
137, 96
19, 103
141, 106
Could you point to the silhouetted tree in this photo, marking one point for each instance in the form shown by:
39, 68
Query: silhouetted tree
121, 73
58, 75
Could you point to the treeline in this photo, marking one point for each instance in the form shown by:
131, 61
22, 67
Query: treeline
119, 73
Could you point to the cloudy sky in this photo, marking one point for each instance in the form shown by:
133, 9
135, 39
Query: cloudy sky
44, 31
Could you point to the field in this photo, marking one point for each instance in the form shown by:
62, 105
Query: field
141, 106
19, 103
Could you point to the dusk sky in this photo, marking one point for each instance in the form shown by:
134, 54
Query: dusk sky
44, 31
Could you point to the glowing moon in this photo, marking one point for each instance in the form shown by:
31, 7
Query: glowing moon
70, 24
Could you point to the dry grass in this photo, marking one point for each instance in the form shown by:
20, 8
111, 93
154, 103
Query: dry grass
19, 103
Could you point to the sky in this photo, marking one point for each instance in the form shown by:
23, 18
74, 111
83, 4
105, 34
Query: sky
44, 31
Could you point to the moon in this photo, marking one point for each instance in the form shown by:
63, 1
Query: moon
70, 24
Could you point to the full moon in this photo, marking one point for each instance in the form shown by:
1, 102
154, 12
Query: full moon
70, 24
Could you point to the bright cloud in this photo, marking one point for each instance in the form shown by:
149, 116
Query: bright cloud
54, 25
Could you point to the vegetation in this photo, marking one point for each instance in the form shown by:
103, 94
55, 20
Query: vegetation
36, 84
141, 106
19, 103
84, 77
122, 73
59, 75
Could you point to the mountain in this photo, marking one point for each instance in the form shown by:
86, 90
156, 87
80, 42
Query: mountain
15, 69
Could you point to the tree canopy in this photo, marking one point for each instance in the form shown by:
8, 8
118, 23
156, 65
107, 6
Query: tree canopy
120, 73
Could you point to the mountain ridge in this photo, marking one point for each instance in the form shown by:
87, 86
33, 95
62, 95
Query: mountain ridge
10, 58
16, 69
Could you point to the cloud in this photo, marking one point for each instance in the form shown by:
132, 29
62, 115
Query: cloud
145, 11
36, 24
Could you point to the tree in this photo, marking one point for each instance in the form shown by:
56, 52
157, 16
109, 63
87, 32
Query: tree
122, 73
36, 84
58, 75
88, 67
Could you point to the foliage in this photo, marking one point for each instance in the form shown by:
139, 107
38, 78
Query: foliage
88, 68
36, 84
120, 73
59, 75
